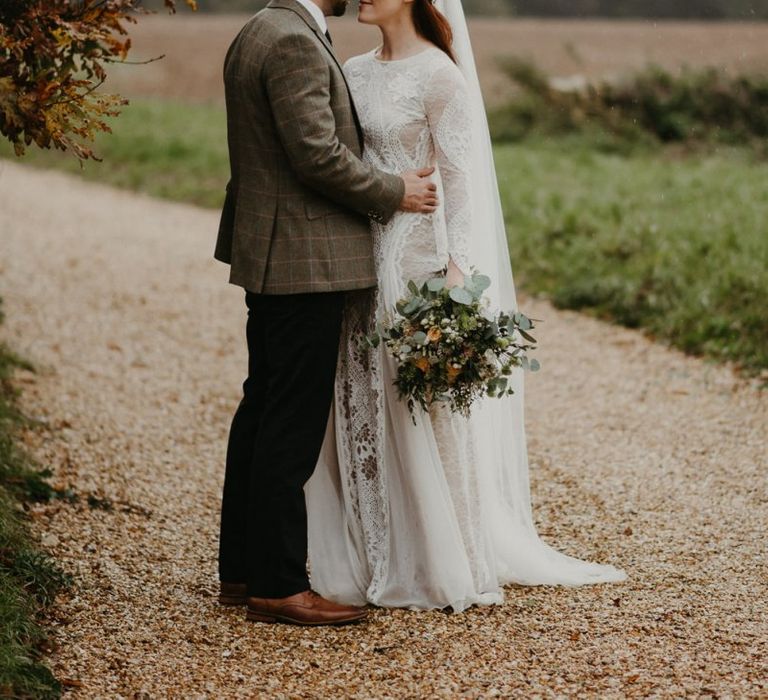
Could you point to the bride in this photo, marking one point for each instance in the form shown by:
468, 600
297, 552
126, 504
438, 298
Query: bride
435, 514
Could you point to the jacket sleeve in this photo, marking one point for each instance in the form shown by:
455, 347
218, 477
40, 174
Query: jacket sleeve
297, 80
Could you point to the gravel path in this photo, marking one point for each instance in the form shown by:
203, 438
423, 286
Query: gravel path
640, 457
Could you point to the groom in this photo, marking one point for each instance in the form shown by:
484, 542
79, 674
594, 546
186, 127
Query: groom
295, 229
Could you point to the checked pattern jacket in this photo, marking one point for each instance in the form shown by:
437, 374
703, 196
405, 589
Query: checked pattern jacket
299, 203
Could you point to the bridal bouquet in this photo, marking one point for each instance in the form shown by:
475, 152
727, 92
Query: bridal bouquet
449, 348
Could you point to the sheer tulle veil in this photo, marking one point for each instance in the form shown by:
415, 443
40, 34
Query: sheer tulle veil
498, 424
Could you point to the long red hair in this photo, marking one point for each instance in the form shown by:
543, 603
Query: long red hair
431, 24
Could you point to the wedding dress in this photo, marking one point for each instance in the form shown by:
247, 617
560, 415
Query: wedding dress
438, 513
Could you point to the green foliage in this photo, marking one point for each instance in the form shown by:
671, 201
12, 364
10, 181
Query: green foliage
651, 107
29, 580
52, 57
677, 247
17, 475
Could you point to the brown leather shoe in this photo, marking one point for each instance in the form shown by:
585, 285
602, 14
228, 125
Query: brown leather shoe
232, 593
305, 608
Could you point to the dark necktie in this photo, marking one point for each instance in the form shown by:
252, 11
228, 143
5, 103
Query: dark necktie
328, 36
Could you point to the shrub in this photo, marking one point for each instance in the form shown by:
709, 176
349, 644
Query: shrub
651, 107
52, 58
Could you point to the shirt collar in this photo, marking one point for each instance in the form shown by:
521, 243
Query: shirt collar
316, 12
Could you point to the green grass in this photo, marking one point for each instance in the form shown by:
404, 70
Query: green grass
165, 149
29, 580
675, 245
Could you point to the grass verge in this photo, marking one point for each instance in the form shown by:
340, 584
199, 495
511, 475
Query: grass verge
673, 244
678, 247
29, 580
165, 149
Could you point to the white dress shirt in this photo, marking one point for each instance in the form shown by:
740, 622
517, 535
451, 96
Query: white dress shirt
317, 14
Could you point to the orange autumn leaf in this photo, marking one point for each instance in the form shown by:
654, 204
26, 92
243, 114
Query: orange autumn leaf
52, 62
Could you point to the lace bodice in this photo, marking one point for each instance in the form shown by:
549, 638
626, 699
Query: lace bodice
414, 114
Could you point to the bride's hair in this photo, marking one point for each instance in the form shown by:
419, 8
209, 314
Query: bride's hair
431, 24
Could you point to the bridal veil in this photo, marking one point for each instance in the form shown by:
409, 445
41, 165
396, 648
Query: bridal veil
498, 424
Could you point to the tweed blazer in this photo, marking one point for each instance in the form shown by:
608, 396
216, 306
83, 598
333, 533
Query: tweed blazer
296, 216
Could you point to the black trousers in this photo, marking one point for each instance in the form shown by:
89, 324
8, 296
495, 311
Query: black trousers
275, 440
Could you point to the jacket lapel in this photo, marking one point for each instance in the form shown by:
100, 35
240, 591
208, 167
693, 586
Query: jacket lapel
299, 9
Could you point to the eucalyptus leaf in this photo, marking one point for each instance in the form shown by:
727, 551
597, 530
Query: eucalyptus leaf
525, 335
481, 282
411, 306
373, 340
460, 296
436, 284
535, 365
419, 337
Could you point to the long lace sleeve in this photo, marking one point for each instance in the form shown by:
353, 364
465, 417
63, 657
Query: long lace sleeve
447, 110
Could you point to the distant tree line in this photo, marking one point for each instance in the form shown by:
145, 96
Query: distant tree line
657, 9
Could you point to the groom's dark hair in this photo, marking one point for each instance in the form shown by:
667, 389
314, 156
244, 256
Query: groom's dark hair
431, 24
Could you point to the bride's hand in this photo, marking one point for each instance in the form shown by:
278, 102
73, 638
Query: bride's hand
454, 277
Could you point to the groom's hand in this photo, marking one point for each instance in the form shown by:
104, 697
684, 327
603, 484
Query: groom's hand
420, 192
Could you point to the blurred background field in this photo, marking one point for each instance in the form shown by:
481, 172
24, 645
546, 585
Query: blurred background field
649, 210
194, 48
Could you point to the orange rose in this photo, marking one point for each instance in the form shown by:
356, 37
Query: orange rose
422, 363
433, 334
453, 372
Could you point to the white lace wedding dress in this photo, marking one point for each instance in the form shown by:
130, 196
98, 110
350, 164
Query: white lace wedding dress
405, 515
